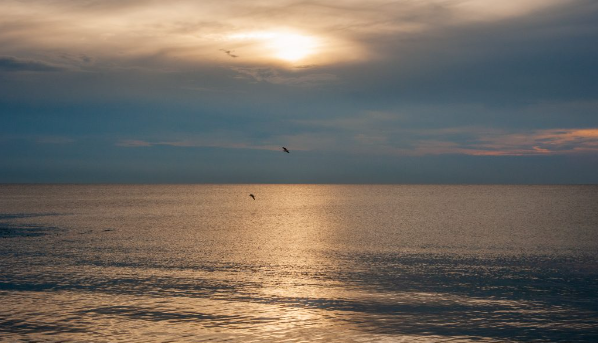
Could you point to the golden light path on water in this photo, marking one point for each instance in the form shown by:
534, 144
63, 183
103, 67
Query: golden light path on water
301, 263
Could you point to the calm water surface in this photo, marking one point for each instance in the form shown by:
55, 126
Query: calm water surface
301, 263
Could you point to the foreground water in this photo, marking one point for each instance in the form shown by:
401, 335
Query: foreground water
301, 263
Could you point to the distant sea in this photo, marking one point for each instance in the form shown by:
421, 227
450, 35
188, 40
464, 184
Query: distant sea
300, 263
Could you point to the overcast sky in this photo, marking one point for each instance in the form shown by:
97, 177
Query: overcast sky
408, 91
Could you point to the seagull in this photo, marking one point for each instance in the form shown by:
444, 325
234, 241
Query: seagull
253, 196
286, 150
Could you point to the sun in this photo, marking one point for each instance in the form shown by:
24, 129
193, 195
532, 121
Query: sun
292, 47
286, 46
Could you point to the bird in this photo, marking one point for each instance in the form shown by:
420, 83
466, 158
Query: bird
286, 150
253, 196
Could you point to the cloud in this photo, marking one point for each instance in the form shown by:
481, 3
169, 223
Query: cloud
385, 133
492, 142
201, 142
279, 77
76, 58
229, 53
13, 64
386, 79
541, 142
132, 143
357, 139
54, 140
185, 29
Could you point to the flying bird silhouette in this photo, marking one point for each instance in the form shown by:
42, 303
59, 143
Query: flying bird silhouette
286, 150
253, 196
230, 53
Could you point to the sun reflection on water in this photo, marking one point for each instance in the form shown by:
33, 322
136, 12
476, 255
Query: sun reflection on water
299, 263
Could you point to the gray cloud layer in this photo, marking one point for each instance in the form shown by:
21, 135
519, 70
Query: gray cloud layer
9, 63
400, 80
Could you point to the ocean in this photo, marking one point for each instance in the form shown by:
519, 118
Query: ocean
300, 263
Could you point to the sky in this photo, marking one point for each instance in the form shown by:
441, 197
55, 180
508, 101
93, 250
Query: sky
407, 91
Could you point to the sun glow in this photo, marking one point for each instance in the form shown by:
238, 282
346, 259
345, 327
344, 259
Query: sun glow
286, 46
292, 47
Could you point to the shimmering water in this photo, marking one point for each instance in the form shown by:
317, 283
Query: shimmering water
301, 263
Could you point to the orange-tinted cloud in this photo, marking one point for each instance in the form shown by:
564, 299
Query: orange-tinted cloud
539, 142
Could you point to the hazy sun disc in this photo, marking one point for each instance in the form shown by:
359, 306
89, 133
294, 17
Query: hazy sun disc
290, 47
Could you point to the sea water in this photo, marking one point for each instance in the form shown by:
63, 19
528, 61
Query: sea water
300, 263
